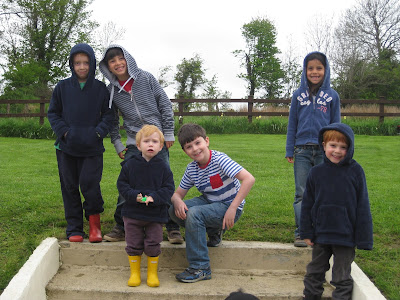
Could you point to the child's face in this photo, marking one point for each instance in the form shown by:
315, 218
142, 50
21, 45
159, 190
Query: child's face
81, 66
150, 146
315, 71
117, 66
335, 151
198, 150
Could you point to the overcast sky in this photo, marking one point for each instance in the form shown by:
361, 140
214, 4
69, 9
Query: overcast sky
160, 33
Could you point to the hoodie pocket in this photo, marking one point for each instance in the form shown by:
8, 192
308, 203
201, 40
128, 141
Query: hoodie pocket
333, 219
82, 139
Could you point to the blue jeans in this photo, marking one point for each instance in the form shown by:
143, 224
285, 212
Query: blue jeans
202, 216
133, 150
305, 157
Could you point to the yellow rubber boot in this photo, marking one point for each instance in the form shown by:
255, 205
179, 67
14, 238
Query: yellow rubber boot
134, 262
152, 269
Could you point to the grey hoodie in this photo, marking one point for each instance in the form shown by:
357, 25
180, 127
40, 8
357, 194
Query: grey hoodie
147, 103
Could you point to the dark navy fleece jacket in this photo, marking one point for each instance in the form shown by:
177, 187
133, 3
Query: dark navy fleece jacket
335, 208
152, 178
81, 113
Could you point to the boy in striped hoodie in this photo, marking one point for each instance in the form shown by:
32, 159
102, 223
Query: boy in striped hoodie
139, 98
217, 177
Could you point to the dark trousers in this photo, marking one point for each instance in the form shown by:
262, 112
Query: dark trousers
143, 236
341, 278
133, 150
80, 175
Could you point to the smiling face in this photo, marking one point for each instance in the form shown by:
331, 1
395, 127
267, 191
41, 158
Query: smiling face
81, 66
150, 145
117, 65
315, 71
198, 150
335, 150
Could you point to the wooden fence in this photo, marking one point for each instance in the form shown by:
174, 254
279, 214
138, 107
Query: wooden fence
250, 113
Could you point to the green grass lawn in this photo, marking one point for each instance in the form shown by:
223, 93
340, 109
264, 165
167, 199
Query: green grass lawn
31, 207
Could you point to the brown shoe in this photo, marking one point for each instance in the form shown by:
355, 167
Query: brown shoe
116, 235
175, 237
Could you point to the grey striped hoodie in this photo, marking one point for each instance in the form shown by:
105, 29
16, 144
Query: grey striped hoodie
146, 104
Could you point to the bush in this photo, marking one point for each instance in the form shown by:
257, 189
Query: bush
30, 128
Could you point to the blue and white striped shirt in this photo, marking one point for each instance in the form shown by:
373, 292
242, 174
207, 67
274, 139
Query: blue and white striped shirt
217, 180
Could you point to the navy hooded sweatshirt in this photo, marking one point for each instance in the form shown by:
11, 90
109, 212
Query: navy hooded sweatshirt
81, 113
335, 209
152, 178
309, 114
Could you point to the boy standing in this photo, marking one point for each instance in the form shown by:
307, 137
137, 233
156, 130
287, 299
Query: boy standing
140, 99
335, 213
147, 185
80, 117
217, 178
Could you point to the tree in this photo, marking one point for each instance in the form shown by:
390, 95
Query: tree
319, 33
291, 70
263, 70
367, 42
189, 77
211, 91
374, 25
38, 35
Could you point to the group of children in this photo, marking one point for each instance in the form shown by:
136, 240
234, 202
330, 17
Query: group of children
331, 206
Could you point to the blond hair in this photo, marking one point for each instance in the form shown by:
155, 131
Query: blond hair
148, 130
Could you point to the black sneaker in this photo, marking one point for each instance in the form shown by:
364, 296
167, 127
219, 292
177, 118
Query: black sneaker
298, 242
115, 235
215, 240
191, 275
175, 237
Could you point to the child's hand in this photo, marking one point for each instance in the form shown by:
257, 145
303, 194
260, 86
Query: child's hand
290, 159
148, 200
229, 218
308, 242
122, 153
139, 198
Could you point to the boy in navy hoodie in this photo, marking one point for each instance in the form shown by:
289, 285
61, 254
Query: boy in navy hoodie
147, 185
335, 214
80, 117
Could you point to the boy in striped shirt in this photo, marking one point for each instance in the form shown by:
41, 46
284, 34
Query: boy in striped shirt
223, 185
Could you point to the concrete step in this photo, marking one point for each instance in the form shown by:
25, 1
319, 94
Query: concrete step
101, 271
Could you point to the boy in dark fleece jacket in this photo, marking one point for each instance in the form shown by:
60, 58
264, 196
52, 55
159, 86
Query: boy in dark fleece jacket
335, 213
80, 117
147, 185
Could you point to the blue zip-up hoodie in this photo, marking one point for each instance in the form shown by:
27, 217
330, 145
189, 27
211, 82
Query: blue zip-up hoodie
152, 178
309, 114
81, 113
335, 209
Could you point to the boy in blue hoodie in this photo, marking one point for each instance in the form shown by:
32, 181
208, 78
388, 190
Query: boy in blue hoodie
80, 117
314, 105
335, 214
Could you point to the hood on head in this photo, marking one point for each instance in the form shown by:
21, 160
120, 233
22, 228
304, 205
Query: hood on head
327, 76
347, 131
83, 48
133, 69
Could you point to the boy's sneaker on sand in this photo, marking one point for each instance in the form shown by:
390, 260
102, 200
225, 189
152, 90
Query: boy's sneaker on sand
175, 237
115, 235
215, 240
192, 275
298, 242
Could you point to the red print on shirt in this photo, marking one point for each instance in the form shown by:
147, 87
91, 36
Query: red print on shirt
216, 181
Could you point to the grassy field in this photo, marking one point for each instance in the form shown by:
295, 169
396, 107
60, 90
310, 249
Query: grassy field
31, 206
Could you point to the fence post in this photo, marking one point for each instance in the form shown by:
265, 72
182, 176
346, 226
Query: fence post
250, 109
381, 110
180, 106
42, 105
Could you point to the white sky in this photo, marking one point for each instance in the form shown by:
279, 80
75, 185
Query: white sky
160, 33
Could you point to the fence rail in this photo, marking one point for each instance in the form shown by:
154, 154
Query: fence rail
250, 113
